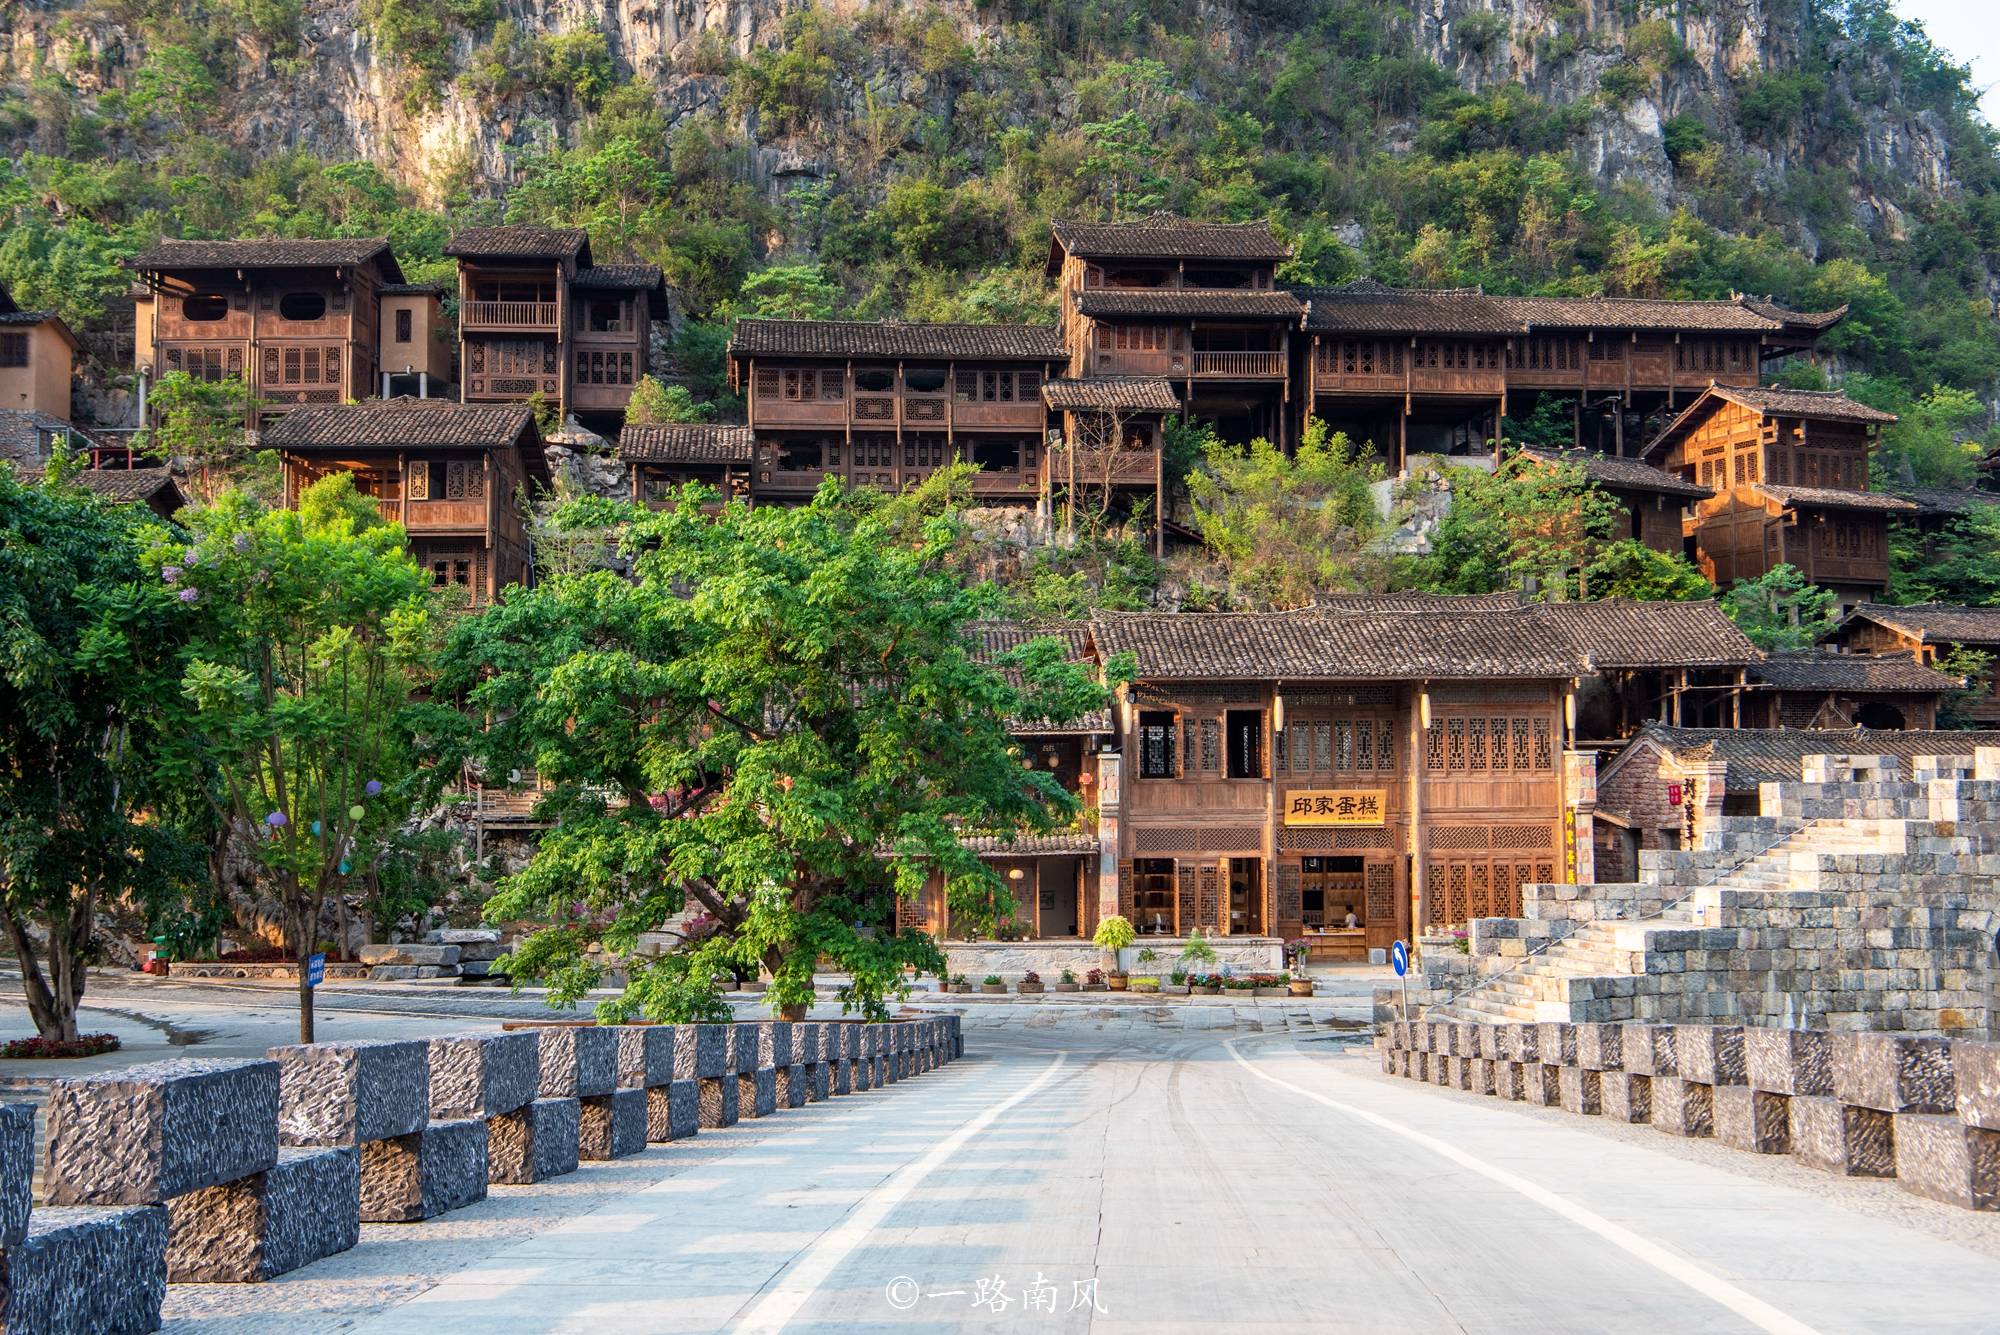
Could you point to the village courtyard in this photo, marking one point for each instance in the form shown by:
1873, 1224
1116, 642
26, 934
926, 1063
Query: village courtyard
1105, 1163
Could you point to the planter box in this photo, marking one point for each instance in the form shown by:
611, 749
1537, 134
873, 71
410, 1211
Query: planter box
1031, 989
754, 987
1239, 991
1174, 989
958, 988
1274, 991
994, 989
1208, 991
1152, 988
1064, 987
1095, 987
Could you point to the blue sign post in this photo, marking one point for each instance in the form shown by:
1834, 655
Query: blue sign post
315, 970
1399, 955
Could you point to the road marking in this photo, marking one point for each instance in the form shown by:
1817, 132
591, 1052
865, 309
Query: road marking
1752, 1309
775, 1310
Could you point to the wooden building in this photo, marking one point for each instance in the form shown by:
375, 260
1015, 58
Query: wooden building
1657, 503
885, 404
1819, 688
417, 345
536, 318
1109, 449
1789, 469
37, 361
1926, 633
300, 322
664, 458
452, 474
1198, 304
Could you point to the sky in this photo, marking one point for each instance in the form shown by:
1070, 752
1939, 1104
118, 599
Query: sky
1970, 31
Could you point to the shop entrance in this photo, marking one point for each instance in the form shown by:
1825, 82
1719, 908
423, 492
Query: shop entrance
1246, 896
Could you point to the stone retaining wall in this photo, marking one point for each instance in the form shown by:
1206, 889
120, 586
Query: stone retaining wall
227, 1171
1924, 1111
1011, 959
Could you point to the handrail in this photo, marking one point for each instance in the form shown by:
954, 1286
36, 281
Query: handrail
1553, 939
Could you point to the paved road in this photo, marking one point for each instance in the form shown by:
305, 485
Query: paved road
1263, 1177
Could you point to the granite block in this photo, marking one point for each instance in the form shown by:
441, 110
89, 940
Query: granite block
1489, 1042
612, 1126
1683, 1107
673, 1111
1839, 1138
1893, 1073
1752, 1119
87, 1271
305, 1207
1555, 1043
743, 1048
646, 1055
17, 1170
1940, 1157
1975, 1070
1541, 1085
1649, 1049
1519, 1042
576, 1061
819, 1081
713, 1056
483, 1074
147, 1133
1600, 1047
1788, 1061
533, 1143
716, 1101
1709, 1054
1507, 1080
406, 1178
1627, 1097
1480, 1072
791, 1086
757, 1093
347, 1092
1580, 1090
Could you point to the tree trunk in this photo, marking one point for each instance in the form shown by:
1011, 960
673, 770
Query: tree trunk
51, 1000
307, 929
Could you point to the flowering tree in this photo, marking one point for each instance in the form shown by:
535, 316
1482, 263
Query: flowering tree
779, 721
89, 660
310, 624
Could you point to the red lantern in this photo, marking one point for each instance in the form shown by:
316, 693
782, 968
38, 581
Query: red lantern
1673, 794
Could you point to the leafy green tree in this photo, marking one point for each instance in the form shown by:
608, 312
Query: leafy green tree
789, 292
1780, 610
1974, 669
1959, 564
777, 721
88, 664
311, 625
1287, 528
1527, 521
1935, 441
654, 404
201, 423
1629, 568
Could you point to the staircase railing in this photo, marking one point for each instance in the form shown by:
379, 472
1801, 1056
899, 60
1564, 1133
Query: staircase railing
1528, 956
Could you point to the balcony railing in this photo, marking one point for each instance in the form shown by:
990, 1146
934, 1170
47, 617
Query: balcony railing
508, 315
1239, 365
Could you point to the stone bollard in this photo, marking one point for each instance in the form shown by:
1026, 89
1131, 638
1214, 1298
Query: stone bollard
809, 1048
862, 1078
1893, 1092
1852, 1132
957, 1036
790, 1043
1960, 1166
580, 1063
715, 1075
649, 1061
483, 1077
1519, 1069
840, 1058
1600, 1053
1780, 1066
370, 1098
1555, 1050
1682, 1104
756, 1071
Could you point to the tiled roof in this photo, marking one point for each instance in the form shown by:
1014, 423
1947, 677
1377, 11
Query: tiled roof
403, 423
526, 243
677, 442
1948, 501
1773, 755
1385, 604
1935, 622
993, 639
1029, 845
1223, 303
1166, 237
893, 338
413, 289
1368, 307
1625, 633
1819, 670
23, 433
619, 277
1618, 474
1835, 498
1112, 393
269, 253
20, 317
1813, 321
1636, 313
126, 486
1823, 405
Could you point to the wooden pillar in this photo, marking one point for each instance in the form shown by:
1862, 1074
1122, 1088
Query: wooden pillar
1419, 892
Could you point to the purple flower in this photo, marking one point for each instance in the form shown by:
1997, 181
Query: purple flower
372, 787
190, 557
170, 573
241, 542
276, 820
189, 595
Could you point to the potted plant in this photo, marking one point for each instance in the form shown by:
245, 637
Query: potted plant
1177, 983
1272, 984
1113, 935
1066, 983
958, 984
1094, 981
991, 983
1232, 983
1031, 984
1207, 985
1145, 983
1197, 951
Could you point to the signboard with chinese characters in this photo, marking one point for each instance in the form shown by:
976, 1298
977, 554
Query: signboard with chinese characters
1330, 806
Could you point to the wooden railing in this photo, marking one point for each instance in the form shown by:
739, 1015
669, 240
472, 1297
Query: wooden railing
509, 314
1107, 467
1239, 365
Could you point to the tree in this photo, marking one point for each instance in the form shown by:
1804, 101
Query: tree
790, 292
1932, 443
88, 661
655, 404
1629, 568
311, 624
1286, 529
200, 421
1780, 610
777, 721
1528, 520
1960, 563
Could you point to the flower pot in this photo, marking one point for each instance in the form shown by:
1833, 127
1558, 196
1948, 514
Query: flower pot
1302, 987
958, 987
1094, 987
1031, 989
1145, 987
1208, 991
998, 989
1116, 982
1065, 987
1273, 992
1174, 989
757, 985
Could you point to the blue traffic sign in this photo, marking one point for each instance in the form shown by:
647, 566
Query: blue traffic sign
1399, 955
316, 970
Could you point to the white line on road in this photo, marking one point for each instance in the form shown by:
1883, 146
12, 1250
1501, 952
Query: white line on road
1752, 1309
775, 1310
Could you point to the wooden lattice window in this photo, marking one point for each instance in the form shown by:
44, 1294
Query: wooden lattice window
1475, 743
1520, 743
1544, 745
1211, 745
1454, 744
1434, 745
1380, 885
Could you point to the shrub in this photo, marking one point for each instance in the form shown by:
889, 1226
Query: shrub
1031, 978
990, 980
1114, 933
83, 1045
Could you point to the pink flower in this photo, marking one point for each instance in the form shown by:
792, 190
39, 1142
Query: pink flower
189, 595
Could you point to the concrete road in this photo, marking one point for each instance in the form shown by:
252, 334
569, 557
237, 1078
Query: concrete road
1102, 1169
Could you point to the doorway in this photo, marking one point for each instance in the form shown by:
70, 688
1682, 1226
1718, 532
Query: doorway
1056, 898
1246, 896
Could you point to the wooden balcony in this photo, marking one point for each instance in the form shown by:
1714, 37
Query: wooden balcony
509, 387
1101, 468
928, 413
436, 516
1489, 383
1240, 365
529, 315
600, 398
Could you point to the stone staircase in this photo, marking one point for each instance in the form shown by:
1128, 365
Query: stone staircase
1588, 974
